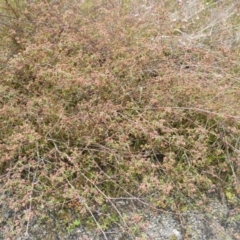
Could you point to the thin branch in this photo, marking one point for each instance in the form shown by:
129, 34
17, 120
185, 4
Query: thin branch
198, 110
12, 9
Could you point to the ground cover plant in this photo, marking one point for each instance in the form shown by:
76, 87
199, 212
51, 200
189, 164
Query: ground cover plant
102, 101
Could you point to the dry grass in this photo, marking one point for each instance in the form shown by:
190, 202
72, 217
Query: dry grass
118, 99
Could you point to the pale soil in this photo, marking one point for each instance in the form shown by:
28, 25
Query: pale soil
221, 222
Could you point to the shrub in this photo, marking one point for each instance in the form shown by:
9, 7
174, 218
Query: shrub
101, 102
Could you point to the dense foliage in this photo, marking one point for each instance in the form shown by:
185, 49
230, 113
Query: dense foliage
108, 100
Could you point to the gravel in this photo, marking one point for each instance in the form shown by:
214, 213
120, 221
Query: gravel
220, 222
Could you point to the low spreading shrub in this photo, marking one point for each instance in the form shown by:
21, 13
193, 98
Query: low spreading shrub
108, 101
